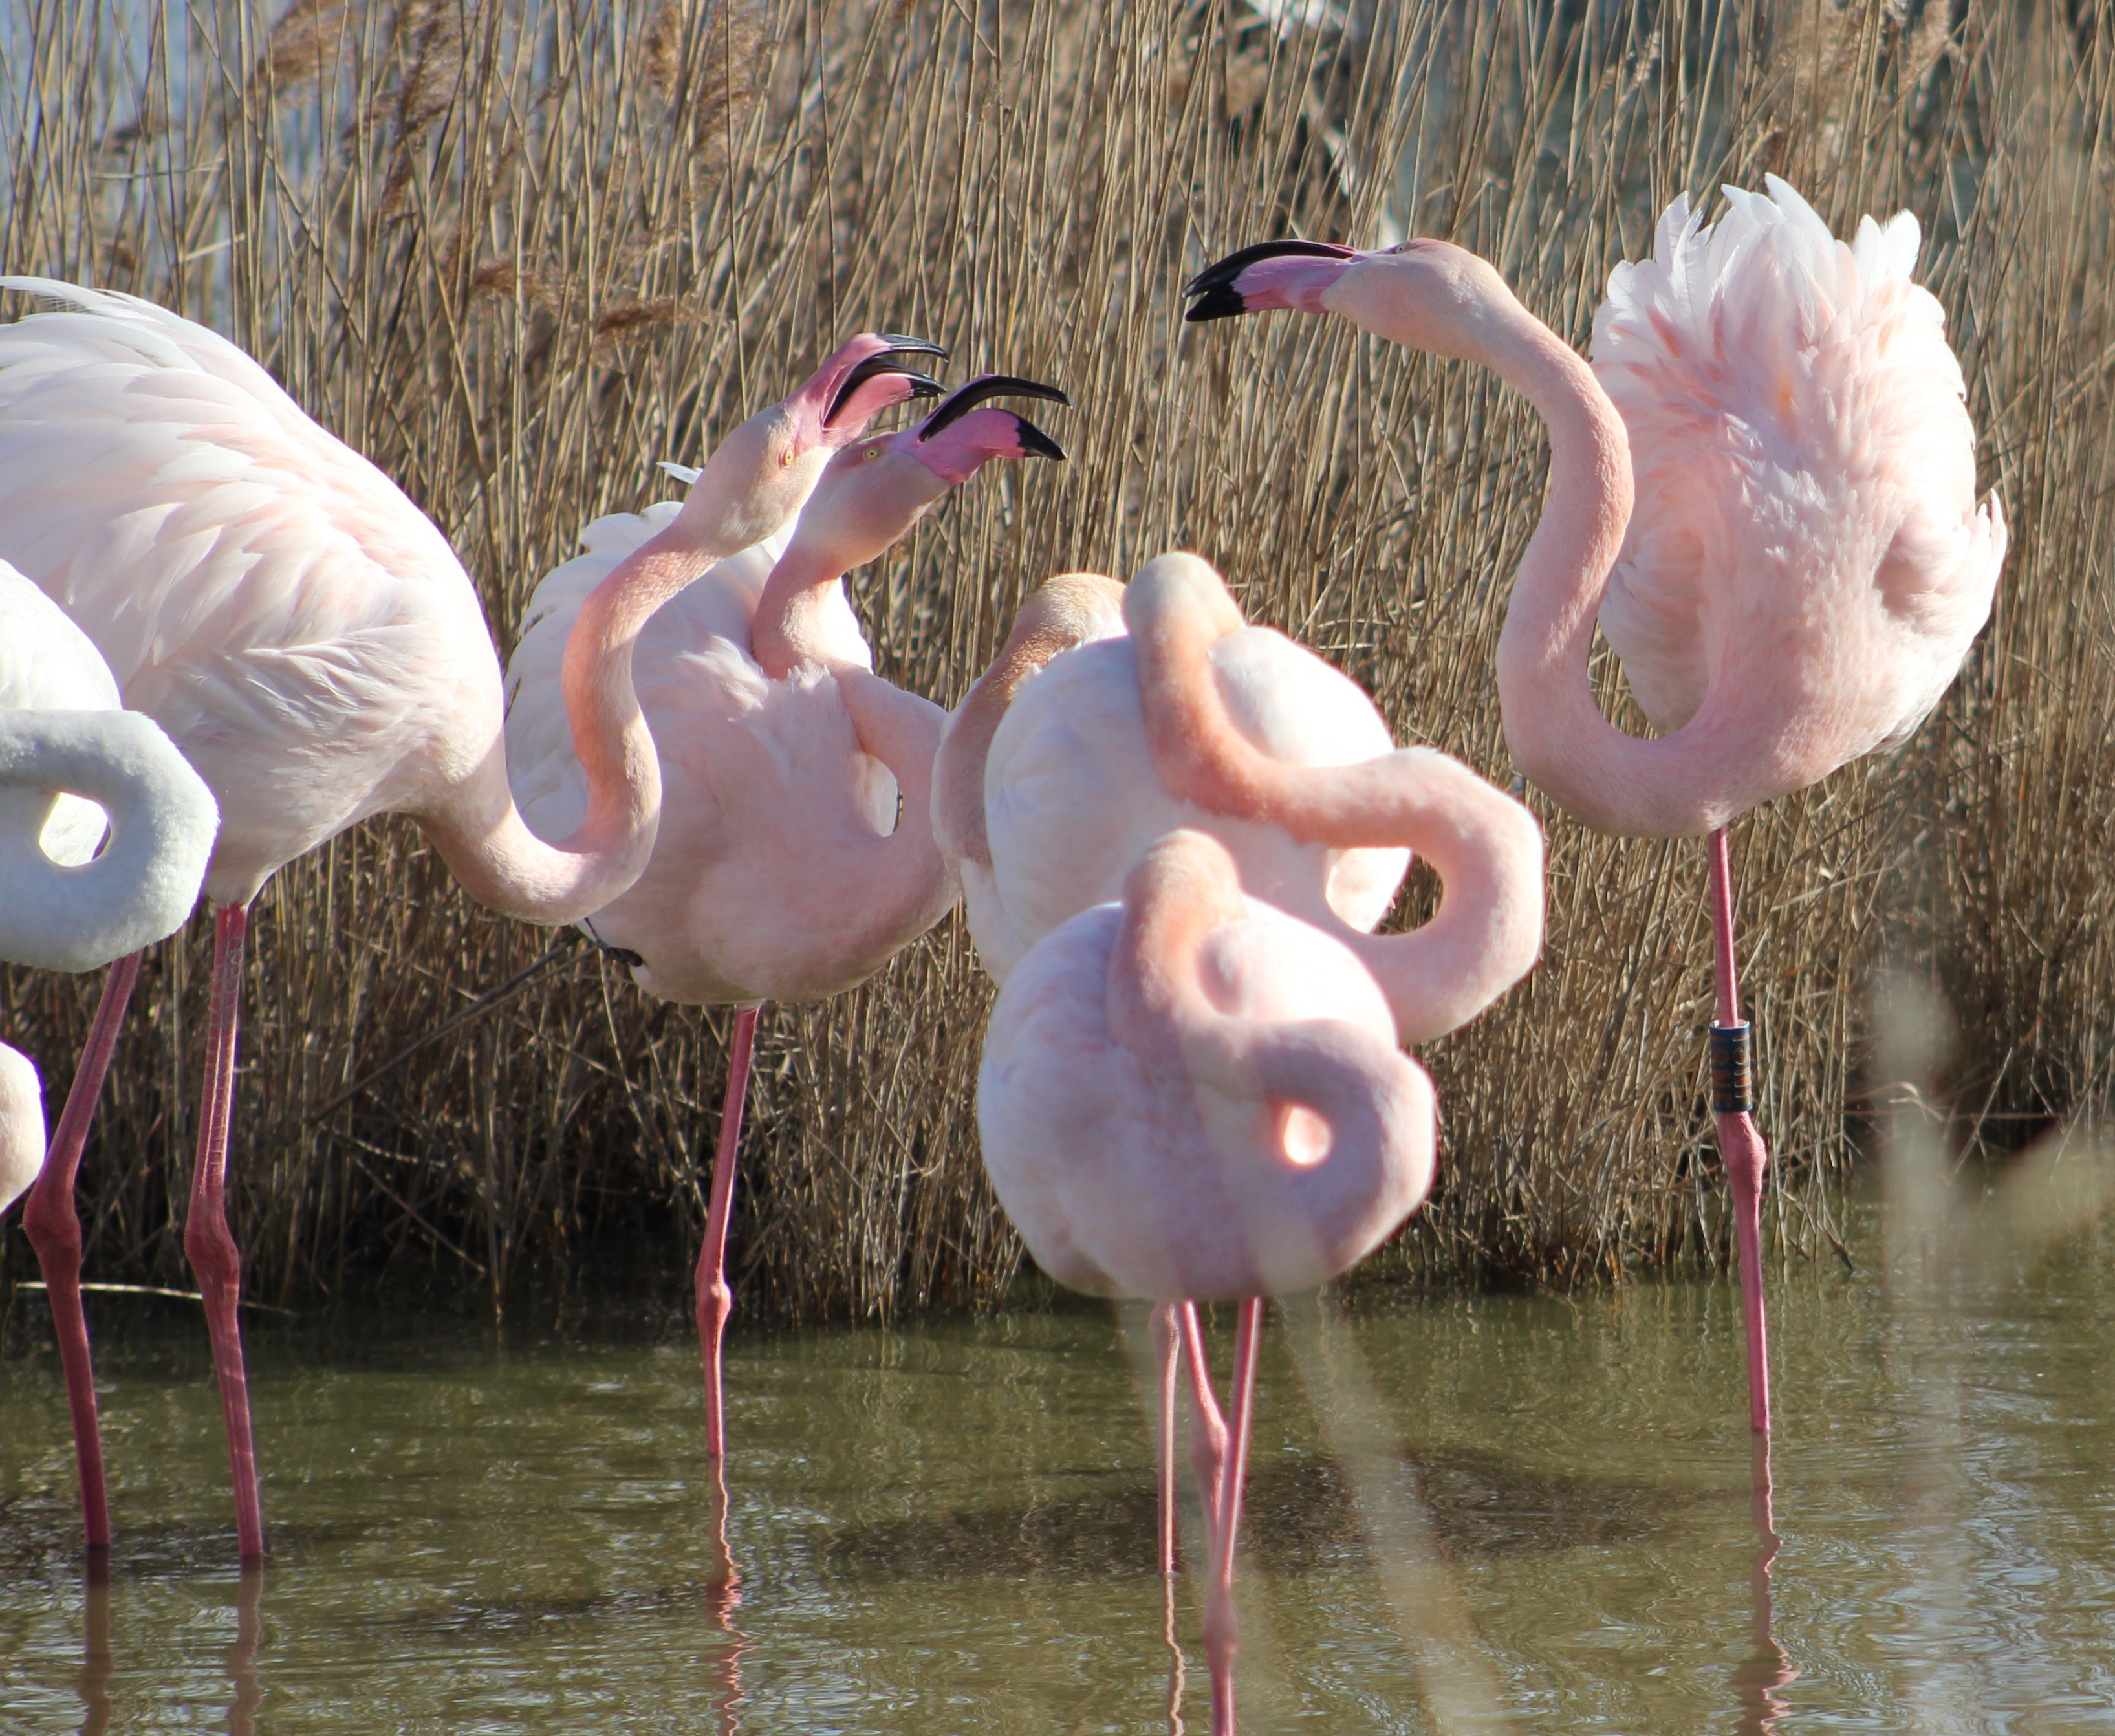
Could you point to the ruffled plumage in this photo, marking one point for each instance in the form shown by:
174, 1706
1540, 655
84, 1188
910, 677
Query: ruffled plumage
1806, 476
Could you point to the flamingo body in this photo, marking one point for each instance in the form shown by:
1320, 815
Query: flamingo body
264, 593
760, 885
74, 766
1130, 1173
1804, 469
1072, 798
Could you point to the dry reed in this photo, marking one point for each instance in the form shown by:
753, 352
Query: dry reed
517, 253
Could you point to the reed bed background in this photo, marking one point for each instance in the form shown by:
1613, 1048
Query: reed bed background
516, 252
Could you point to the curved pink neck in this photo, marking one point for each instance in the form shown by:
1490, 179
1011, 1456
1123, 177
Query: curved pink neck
1485, 848
787, 630
481, 833
1678, 785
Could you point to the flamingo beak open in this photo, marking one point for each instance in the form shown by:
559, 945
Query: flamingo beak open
864, 377
960, 433
1234, 286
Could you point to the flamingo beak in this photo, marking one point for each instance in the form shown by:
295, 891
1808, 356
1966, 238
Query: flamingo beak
1033, 442
883, 364
1216, 292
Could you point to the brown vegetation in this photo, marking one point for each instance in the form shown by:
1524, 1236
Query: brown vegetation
516, 252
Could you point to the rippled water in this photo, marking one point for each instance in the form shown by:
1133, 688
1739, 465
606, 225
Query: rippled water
1466, 1513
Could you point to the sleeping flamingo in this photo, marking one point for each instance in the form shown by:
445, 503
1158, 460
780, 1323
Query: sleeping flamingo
1197, 1095
308, 640
1050, 785
1806, 564
71, 763
782, 871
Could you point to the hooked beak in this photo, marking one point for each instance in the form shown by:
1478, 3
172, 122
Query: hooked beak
883, 364
1033, 441
1215, 291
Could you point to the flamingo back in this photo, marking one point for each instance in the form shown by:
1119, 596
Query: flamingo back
1072, 798
1805, 519
276, 603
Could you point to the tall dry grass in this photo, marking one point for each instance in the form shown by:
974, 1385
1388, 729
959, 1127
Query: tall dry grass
515, 253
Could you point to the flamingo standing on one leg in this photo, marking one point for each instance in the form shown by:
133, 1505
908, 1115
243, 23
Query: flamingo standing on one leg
307, 637
1050, 785
72, 763
1201, 1096
783, 870
1806, 565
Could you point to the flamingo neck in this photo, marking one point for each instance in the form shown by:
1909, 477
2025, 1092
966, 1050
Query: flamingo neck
142, 883
1673, 785
481, 833
787, 630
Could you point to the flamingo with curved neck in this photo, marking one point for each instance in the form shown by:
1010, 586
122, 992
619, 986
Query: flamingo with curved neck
74, 766
1763, 494
1191, 1095
308, 638
784, 870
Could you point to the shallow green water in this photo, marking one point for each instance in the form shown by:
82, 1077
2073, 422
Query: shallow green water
1466, 1513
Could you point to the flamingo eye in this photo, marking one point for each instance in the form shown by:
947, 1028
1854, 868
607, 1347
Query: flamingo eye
875, 449
785, 457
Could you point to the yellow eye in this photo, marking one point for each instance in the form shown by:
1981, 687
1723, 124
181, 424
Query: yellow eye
786, 458
875, 451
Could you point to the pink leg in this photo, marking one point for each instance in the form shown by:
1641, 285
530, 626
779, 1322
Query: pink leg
208, 1240
1207, 1428
54, 1231
715, 1300
1166, 1348
1741, 1146
1221, 1628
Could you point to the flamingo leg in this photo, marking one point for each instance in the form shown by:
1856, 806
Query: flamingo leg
1741, 1146
1221, 1626
1167, 1350
715, 1299
53, 1226
209, 1241
1207, 1428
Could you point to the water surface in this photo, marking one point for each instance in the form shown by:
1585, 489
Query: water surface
1485, 1511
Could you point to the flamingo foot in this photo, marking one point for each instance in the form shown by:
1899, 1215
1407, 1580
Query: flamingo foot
207, 1240
715, 1299
54, 1227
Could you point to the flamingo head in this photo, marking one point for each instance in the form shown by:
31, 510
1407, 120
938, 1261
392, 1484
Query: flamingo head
762, 473
874, 491
1429, 295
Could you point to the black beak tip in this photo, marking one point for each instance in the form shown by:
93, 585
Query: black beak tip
1034, 444
923, 385
1216, 301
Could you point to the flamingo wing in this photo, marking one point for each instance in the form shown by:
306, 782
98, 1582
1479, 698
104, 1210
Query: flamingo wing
1804, 464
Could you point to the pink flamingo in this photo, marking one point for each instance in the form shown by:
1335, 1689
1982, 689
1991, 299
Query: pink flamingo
1805, 566
782, 871
1050, 786
308, 640
1198, 1096
71, 763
